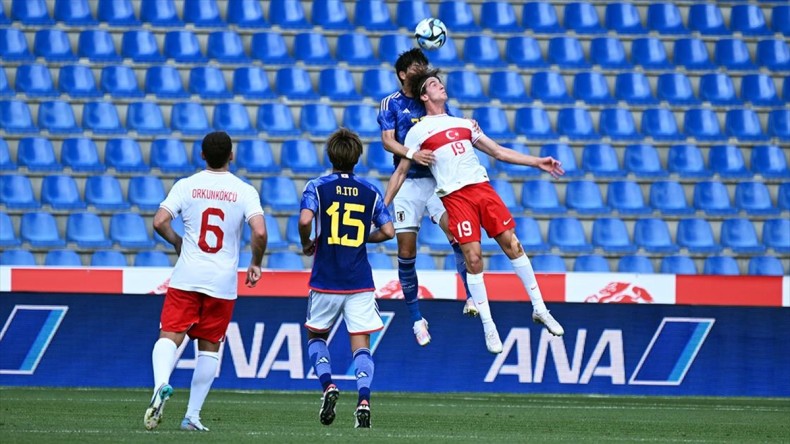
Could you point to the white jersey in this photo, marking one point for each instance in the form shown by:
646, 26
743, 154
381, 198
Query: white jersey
214, 207
451, 139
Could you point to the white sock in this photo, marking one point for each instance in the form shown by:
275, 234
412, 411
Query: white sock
202, 378
477, 288
523, 269
164, 359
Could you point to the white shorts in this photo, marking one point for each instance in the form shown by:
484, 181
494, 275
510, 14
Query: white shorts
411, 201
358, 309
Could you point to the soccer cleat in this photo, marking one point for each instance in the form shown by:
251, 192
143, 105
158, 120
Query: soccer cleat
328, 401
421, 332
470, 309
549, 322
153, 414
193, 425
362, 416
493, 343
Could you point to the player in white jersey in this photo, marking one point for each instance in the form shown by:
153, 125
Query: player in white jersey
471, 203
214, 205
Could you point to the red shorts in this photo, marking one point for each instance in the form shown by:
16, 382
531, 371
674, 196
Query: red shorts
200, 315
475, 206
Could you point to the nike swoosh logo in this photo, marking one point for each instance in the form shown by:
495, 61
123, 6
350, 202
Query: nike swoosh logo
507, 221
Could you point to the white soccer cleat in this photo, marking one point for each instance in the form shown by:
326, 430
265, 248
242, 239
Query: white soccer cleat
470, 309
193, 425
153, 414
362, 416
421, 332
328, 401
493, 343
549, 322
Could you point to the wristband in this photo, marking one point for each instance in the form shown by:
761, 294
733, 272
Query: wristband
410, 154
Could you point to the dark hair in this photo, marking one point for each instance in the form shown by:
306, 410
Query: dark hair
217, 148
344, 149
408, 58
417, 81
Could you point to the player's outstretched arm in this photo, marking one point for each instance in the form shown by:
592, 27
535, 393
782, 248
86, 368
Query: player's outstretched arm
162, 220
305, 229
500, 153
391, 144
383, 234
396, 181
258, 242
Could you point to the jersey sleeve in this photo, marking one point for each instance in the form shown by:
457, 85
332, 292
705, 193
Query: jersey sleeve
412, 140
309, 198
476, 134
387, 117
252, 203
174, 201
381, 214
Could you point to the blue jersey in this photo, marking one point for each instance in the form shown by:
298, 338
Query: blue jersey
398, 112
345, 206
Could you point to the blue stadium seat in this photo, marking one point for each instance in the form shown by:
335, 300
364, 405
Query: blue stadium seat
744, 125
391, 44
669, 198
356, 50
140, 45
712, 198
510, 87
125, 156
505, 191
749, 20
108, 258
62, 258
740, 236
74, 12
312, 48
8, 237
373, 15
565, 154
17, 257
582, 18
696, 236
652, 235
34, 80
246, 14
769, 161
601, 160
101, 118
650, 53
208, 82
635, 264
53, 45
379, 159
129, 230
226, 47
277, 120
318, 119
117, 13
779, 124
301, 157
146, 118
776, 235
773, 54
780, 19
618, 124
445, 57
170, 157
57, 117
232, 117
660, 124
270, 48
540, 196
104, 193
541, 18
591, 87
576, 124
612, 236
566, 52
465, 86
151, 258
431, 235
284, 260
498, 16
6, 163
275, 241
678, 265
528, 233
493, 122
77, 81
608, 53
634, 88
707, 19
37, 154
5, 87
765, 266
733, 55
4, 20
409, 13
686, 160
665, 18
425, 262
30, 12
361, 119
643, 161
292, 230
331, 15
337, 84
567, 234
15, 117
40, 230
178, 226
759, 89
626, 197
183, 47
524, 52
160, 13
378, 83
727, 161
189, 118
482, 51
288, 14
251, 82
458, 16
547, 263
692, 54
594, 263
380, 261
585, 197
97, 46
120, 81
255, 156
295, 84
676, 89
146, 192
60, 192
623, 18
13, 45
720, 265
702, 124
202, 13
549, 87
86, 230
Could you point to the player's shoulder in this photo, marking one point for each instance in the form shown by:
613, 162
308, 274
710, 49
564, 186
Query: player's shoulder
393, 100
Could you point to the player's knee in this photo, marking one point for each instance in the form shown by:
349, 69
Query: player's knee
474, 263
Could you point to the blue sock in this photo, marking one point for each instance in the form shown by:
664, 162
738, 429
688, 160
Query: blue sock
460, 266
364, 363
319, 356
407, 275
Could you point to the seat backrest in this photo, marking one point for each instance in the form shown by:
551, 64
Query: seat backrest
493, 122
141, 46
37, 154
15, 117
769, 161
665, 18
61, 193
246, 14
696, 235
548, 263
16, 191
317, 119
643, 160
284, 260
732, 54
466, 86
565, 154
540, 196
635, 264
116, 12
718, 89
739, 235
146, 192
13, 45
183, 47
337, 84
660, 124
146, 118
702, 124
776, 235
270, 48
312, 48
129, 231
608, 52
170, 156
592, 88
652, 234
57, 117
120, 81
300, 156
678, 265
160, 13
765, 266
549, 87
86, 229
743, 124
21, 258
458, 16
97, 45
567, 52
104, 193
524, 51
189, 118
707, 19
618, 124
626, 197
62, 258
208, 82
53, 45
288, 15
108, 258
720, 265
331, 14
356, 49
510, 87
591, 263
601, 160
611, 234
585, 197
650, 53
676, 88
295, 83
279, 193
534, 123
373, 15
623, 18
408, 14
712, 197
252, 82
773, 54
226, 46
669, 197
748, 20
35, 80
77, 81
582, 18
634, 88
74, 12
727, 161
233, 118
576, 124
102, 118
541, 17
759, 89
151, 258
361, 119
692, 54
40, 229
202, 13
445, 57
482, 50
255, 156
499, 16
686, 160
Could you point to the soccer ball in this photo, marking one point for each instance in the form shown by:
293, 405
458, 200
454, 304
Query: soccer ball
430, 33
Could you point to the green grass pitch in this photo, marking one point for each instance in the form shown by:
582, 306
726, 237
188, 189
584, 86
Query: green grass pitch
42, 415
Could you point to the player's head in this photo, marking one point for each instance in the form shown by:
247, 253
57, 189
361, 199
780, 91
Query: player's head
344, 149
217, 149
421, 83
413, 58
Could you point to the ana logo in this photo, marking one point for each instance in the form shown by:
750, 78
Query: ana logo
26, 336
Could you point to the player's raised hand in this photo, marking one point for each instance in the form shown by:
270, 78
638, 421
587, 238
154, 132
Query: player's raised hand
253, 275
551, 166
308, 248
424, 157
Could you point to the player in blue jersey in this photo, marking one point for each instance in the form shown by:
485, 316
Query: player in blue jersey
398, 113
344, 208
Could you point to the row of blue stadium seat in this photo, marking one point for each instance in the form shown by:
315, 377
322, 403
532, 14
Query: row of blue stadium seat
374, 15
356, 49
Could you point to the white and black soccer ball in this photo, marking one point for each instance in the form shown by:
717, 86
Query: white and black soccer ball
431, 33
